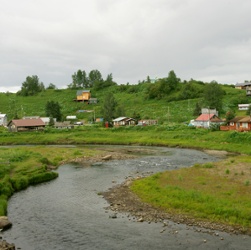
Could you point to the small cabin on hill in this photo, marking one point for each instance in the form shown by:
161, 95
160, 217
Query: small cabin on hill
20, 125
83, 96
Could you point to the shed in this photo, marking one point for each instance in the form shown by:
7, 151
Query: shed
20, 125
93, 101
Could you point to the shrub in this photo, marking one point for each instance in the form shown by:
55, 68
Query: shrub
19, 183
39, 178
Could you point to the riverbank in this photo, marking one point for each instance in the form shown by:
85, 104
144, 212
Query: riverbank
123, 200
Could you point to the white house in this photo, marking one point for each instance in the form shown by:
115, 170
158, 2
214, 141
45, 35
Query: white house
3, 120
243, 106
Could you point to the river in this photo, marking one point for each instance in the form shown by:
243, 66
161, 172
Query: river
69, 213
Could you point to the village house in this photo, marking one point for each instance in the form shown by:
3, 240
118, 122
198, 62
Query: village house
124, 121
20, 125
238, 123
246, 85
83, 96
243, 106
3, 120
206, 120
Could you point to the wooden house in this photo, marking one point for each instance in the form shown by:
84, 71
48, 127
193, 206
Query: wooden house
239, 123
3, 120
205, 120
20, 125
124, 121
83, 95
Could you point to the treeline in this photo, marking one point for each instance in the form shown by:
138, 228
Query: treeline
93, 79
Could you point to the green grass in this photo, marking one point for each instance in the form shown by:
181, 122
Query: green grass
201, 193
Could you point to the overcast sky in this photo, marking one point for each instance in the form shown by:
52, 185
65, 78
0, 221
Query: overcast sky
200, 39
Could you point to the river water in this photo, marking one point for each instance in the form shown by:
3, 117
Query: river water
68, 213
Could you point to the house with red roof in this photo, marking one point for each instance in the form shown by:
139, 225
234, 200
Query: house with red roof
205, 120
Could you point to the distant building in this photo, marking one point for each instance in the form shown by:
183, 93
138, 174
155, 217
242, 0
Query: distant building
83, 95
124, 121
243, 106
205, 120
3, 120
20, 125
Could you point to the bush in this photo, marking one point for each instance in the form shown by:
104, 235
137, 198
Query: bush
3, 206
39, 178
19, 183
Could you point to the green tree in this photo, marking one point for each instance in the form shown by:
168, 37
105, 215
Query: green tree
172, 80
95, 77
52, 86
197, 109
249, 110
230, 115
53, 109
213, 96
31, 86
109, 108
79, 80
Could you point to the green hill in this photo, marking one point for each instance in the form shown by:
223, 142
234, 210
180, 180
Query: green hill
174, 107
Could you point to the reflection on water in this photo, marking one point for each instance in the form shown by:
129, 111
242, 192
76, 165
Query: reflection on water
68, 213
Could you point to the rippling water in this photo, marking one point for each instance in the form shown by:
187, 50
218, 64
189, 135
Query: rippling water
68, 213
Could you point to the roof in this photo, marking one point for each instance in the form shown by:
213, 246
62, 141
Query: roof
237, 118
79, 92
245, 119
28, 122
205, 117
2, 115
122, 119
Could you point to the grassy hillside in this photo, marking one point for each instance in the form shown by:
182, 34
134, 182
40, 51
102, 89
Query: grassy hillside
131, 98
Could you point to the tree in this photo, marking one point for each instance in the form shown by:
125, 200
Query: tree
79, 80
109, 108
31, 86
197, 109
53, 109
213, 96
230, 115
95, 77
52, 86
172, 80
